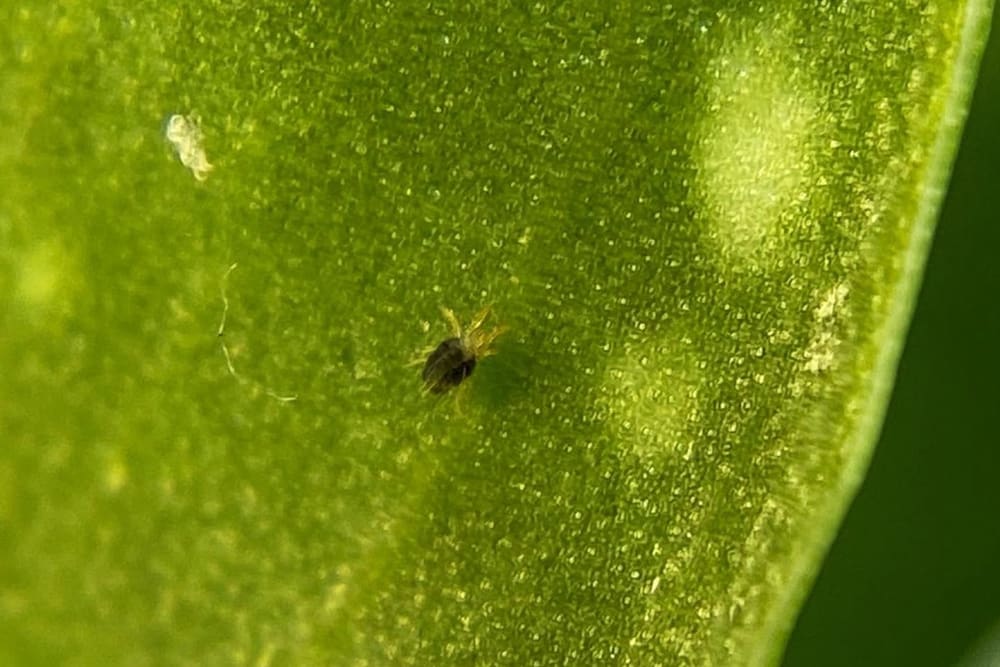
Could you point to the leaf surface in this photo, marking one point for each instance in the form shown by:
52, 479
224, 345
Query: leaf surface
702, 224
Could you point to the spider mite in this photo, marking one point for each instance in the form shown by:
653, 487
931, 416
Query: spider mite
455, 358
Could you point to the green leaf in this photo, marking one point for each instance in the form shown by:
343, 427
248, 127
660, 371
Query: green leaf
927, 500
702, 225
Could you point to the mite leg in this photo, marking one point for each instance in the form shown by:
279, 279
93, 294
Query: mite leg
459, 393
483, 344
480, 317
420, 358
456, 327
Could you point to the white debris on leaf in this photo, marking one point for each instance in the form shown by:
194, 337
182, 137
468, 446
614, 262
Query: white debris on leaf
184, 133
832, 304
820, 353
820, 356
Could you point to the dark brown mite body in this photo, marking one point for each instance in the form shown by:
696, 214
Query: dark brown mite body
447, 366
454, 359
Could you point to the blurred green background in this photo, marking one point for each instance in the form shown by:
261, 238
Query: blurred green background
914, 575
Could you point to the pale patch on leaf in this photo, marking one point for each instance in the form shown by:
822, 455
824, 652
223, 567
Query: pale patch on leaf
756, 147
653, 401
115, 475
46, 281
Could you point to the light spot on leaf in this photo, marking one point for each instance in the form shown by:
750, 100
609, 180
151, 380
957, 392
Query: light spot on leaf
115, 475
756, 147
45, 280
653, 399
39, 277
336, 595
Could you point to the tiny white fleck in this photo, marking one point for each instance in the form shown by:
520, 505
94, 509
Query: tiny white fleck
184, 134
